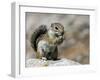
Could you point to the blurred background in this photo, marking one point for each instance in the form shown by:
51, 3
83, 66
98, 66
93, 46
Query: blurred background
76, 44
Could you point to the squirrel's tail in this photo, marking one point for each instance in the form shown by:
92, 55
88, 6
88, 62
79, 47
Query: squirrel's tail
36, 34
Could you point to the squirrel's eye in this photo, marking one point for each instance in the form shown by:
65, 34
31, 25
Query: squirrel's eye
56, 28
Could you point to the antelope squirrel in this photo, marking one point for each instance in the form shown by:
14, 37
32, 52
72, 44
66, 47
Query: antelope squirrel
45, 41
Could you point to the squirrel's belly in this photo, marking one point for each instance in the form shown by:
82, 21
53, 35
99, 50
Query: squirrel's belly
49, 51
44, 44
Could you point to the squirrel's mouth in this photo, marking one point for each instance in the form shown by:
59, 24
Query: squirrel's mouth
60, 39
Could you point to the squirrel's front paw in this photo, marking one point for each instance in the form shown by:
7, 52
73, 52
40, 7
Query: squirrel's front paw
43, 58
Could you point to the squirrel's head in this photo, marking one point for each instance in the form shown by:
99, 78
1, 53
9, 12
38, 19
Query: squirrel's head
57, 31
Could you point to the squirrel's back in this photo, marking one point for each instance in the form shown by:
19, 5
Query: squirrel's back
36, 34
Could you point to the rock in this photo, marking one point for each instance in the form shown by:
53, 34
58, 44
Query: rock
40, 63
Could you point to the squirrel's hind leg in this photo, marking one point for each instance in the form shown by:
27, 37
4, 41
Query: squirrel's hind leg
40, 56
